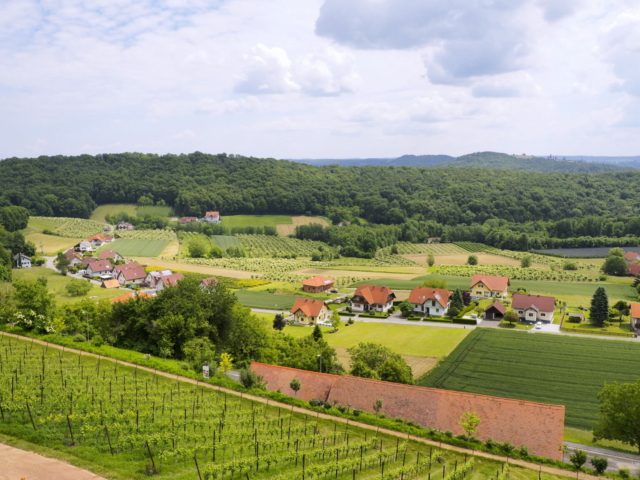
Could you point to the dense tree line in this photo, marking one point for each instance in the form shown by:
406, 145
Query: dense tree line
14, 218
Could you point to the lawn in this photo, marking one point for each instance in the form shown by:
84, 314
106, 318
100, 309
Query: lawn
156, 210
138, 247
51, 244
414, 340
266, 300
555, 369
225, 241
255, 220
112, 209
57, 282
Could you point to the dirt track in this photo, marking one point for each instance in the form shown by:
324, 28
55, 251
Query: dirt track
18, 464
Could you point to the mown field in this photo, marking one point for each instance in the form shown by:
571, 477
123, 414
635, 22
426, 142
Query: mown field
130, 209
544, 368
289, 229
255, 220
51, 244
266, 300
114, 418
138, 247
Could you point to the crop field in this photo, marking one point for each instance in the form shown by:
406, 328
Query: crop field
553, 369
130, 209
290, 229
225, 241
586, 252
414, 340
269, 246
255, 220
138, 247
514, 273
407, 248
38, 224
472, 247
51, 243
267, 300
157, 234
70, 227
128, 422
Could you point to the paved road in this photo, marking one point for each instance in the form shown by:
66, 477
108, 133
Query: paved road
617, 460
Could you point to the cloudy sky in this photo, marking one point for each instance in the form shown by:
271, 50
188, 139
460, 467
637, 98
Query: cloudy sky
320, 78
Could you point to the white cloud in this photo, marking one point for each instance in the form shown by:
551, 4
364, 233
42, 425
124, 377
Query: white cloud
518, 84
327, 73
268, 71
241, 105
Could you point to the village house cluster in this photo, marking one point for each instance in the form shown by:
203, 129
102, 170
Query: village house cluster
209, 217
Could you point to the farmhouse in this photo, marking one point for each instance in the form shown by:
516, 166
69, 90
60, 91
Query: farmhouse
135, 274
495, 311
309, 312
538, 426
631, 256
317, 284
96, 240
83, 246
533, 308
634, 269
210, 282
152, 277
105, 254
185, 220
21, 261
212, 217
130, 295
125, 226
434, 240
635, 316
87, 260
369, 297
489, 286
432, 302
109, 238
98, 268
168, 281
73, 257
111, 283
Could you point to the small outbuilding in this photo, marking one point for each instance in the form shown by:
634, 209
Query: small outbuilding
495, 311
111, 283
317, 284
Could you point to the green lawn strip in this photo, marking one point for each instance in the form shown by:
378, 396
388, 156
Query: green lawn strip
585, 437
555, 369
145, 417
516, 326
138, 247
156, 210
113, 209
255, 220
419, 341
267, 300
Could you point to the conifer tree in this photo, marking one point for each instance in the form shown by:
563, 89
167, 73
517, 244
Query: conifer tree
599, 312
457, 300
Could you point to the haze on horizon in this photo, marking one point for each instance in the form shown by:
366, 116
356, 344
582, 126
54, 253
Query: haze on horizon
319, 78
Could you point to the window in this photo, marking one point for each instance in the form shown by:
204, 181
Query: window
530, 314
433, 303
437, 310
478, 293
542, 314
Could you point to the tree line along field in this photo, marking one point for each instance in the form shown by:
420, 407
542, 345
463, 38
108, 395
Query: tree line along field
553, 369
128, 422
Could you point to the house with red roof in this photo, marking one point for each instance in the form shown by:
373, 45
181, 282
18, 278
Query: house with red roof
489, 286
317, 284
495, 311
106, 254
212, 217
634, 269
73, 257
130, 295
152, 277
533, 308
135, 274
99, 267
207, 283
97, 240
168, 281
631, 256
432, 302
635, 316
307, 311
372, 298
185, 220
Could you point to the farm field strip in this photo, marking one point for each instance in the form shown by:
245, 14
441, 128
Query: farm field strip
289, 229
225, 241
407, 248
270, 245
586, 252
72, 227
51, 243
156, 234
138, 247
544, 368
267, 300
112, 209
255, 220
114, 416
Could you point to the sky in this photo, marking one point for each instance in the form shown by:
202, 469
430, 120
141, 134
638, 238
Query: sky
319, 78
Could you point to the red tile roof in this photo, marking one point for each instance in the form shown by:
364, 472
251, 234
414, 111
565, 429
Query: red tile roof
374, 294
87, 260
419, 295
100, 266
135, 273
113, 283
317, 281
310, 307
498, 306
495, 284
538, 426
130, 295
125, 266
172, 279
634, 269
96, 237
631, 256
635, 310
524, 302
209, 281
104, 254
212, 214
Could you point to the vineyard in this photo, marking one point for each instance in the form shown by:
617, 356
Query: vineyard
166, 234
73, 227
270, 246
133, 423
225, 241
514, 273
406, 248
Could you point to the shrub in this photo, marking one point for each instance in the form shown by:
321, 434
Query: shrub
507, 447
79, 338
351, 321
490, 443
624, 473
600, 464
97, 341
327, 406
449, 434
357, 412
316, 402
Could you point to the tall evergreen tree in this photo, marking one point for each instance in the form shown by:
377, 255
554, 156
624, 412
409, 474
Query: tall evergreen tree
457, 300
599, 312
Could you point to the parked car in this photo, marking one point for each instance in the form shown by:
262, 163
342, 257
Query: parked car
538, 325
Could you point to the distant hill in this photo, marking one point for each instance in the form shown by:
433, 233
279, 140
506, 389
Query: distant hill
487, 160
627, 162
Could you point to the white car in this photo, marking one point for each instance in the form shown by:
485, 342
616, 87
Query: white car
538, 325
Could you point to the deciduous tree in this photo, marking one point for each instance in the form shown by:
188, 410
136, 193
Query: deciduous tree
619, 413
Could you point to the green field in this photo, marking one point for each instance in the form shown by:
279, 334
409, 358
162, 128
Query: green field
38, 224
128, 423
255, 220
266, 300
138, 247
130, 209
51, 244
415, 340
225, 241
545, 368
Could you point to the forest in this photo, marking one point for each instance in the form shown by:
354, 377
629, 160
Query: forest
509, 209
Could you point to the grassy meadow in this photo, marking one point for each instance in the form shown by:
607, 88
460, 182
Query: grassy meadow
51, 244
225, 241
130, 209
138, 247
555, 369
255, 220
